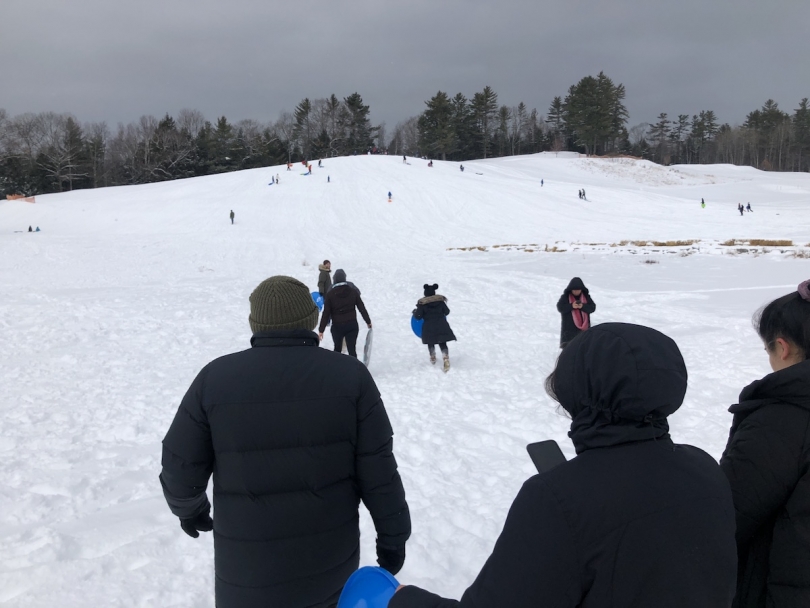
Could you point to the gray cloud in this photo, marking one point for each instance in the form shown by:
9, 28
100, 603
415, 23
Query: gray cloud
115, 61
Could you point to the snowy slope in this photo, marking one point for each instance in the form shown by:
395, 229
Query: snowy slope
109, 312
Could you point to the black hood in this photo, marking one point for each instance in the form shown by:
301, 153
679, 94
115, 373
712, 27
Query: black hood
790, 385
576, 283
340, 276
619, 382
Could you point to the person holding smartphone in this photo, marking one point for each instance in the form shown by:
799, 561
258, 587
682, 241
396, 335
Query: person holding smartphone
576, 307
634, 519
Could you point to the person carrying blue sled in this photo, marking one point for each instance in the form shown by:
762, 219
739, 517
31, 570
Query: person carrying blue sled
433, 310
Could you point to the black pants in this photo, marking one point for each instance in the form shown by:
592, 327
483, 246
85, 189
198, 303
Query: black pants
442, 347
348, 331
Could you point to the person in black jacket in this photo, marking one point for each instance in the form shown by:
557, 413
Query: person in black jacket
634, 520
340, 305
435, 330
576, 307
296, 436
767, 461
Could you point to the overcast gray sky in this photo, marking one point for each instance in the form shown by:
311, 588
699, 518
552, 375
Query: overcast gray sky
116, 60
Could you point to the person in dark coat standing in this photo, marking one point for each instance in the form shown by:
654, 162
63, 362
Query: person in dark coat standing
634, 519
296, 437
767, 461
435, 330
340, 306
576, 307
232, 216
324, 277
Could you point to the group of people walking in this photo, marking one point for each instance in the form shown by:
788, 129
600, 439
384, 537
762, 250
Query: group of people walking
742, 209
342, 302
297, 436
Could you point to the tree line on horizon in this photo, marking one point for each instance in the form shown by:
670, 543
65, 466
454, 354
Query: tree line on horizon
50, 152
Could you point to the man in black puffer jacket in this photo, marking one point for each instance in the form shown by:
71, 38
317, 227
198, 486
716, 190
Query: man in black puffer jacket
296, 436
635, 520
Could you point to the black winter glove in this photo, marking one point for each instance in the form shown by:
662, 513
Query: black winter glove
391, 558
194, 525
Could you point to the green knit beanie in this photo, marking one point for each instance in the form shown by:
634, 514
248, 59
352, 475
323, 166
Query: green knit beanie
281, 303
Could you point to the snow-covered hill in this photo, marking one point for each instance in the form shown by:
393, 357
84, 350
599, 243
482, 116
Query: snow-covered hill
109, 312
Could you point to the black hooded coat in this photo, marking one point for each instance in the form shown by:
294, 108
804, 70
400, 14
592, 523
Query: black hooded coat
634, 521
767, 461
296, 436
569, 330
433, 309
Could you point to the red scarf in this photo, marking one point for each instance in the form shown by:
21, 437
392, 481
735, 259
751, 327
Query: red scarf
581, 319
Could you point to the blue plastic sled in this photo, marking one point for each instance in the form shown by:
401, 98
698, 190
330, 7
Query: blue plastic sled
318, 299
368, 587
416, 326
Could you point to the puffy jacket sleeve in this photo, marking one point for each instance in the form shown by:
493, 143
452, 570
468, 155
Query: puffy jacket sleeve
761, 462
376, 468
533, 564
419, 312
563, 305
445, 309
362, 308
188, 455
590, 307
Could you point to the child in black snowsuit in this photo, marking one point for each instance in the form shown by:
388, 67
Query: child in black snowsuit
436, 330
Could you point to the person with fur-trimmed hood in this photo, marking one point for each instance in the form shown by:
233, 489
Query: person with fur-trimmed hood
324, 278
575, 306
436, 330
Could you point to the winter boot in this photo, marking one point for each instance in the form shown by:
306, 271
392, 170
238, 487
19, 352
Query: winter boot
433, 358
446, 363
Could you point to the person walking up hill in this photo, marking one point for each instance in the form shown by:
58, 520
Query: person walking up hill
435, 330
295, 437
340, 305
325, 278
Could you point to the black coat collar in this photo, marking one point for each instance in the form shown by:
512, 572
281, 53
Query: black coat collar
292, 337
790, 385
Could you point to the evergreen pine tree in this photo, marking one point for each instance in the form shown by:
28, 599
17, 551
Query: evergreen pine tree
801, 135
484, 108
360, 133
304, 127
436, 133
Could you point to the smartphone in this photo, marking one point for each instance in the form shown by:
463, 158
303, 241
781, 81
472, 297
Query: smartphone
545, 455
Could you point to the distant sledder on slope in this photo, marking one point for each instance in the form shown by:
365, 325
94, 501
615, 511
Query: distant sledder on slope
432, 310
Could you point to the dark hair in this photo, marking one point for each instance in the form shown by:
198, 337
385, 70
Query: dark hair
325, 262
551, 390
549, 384
788, 318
